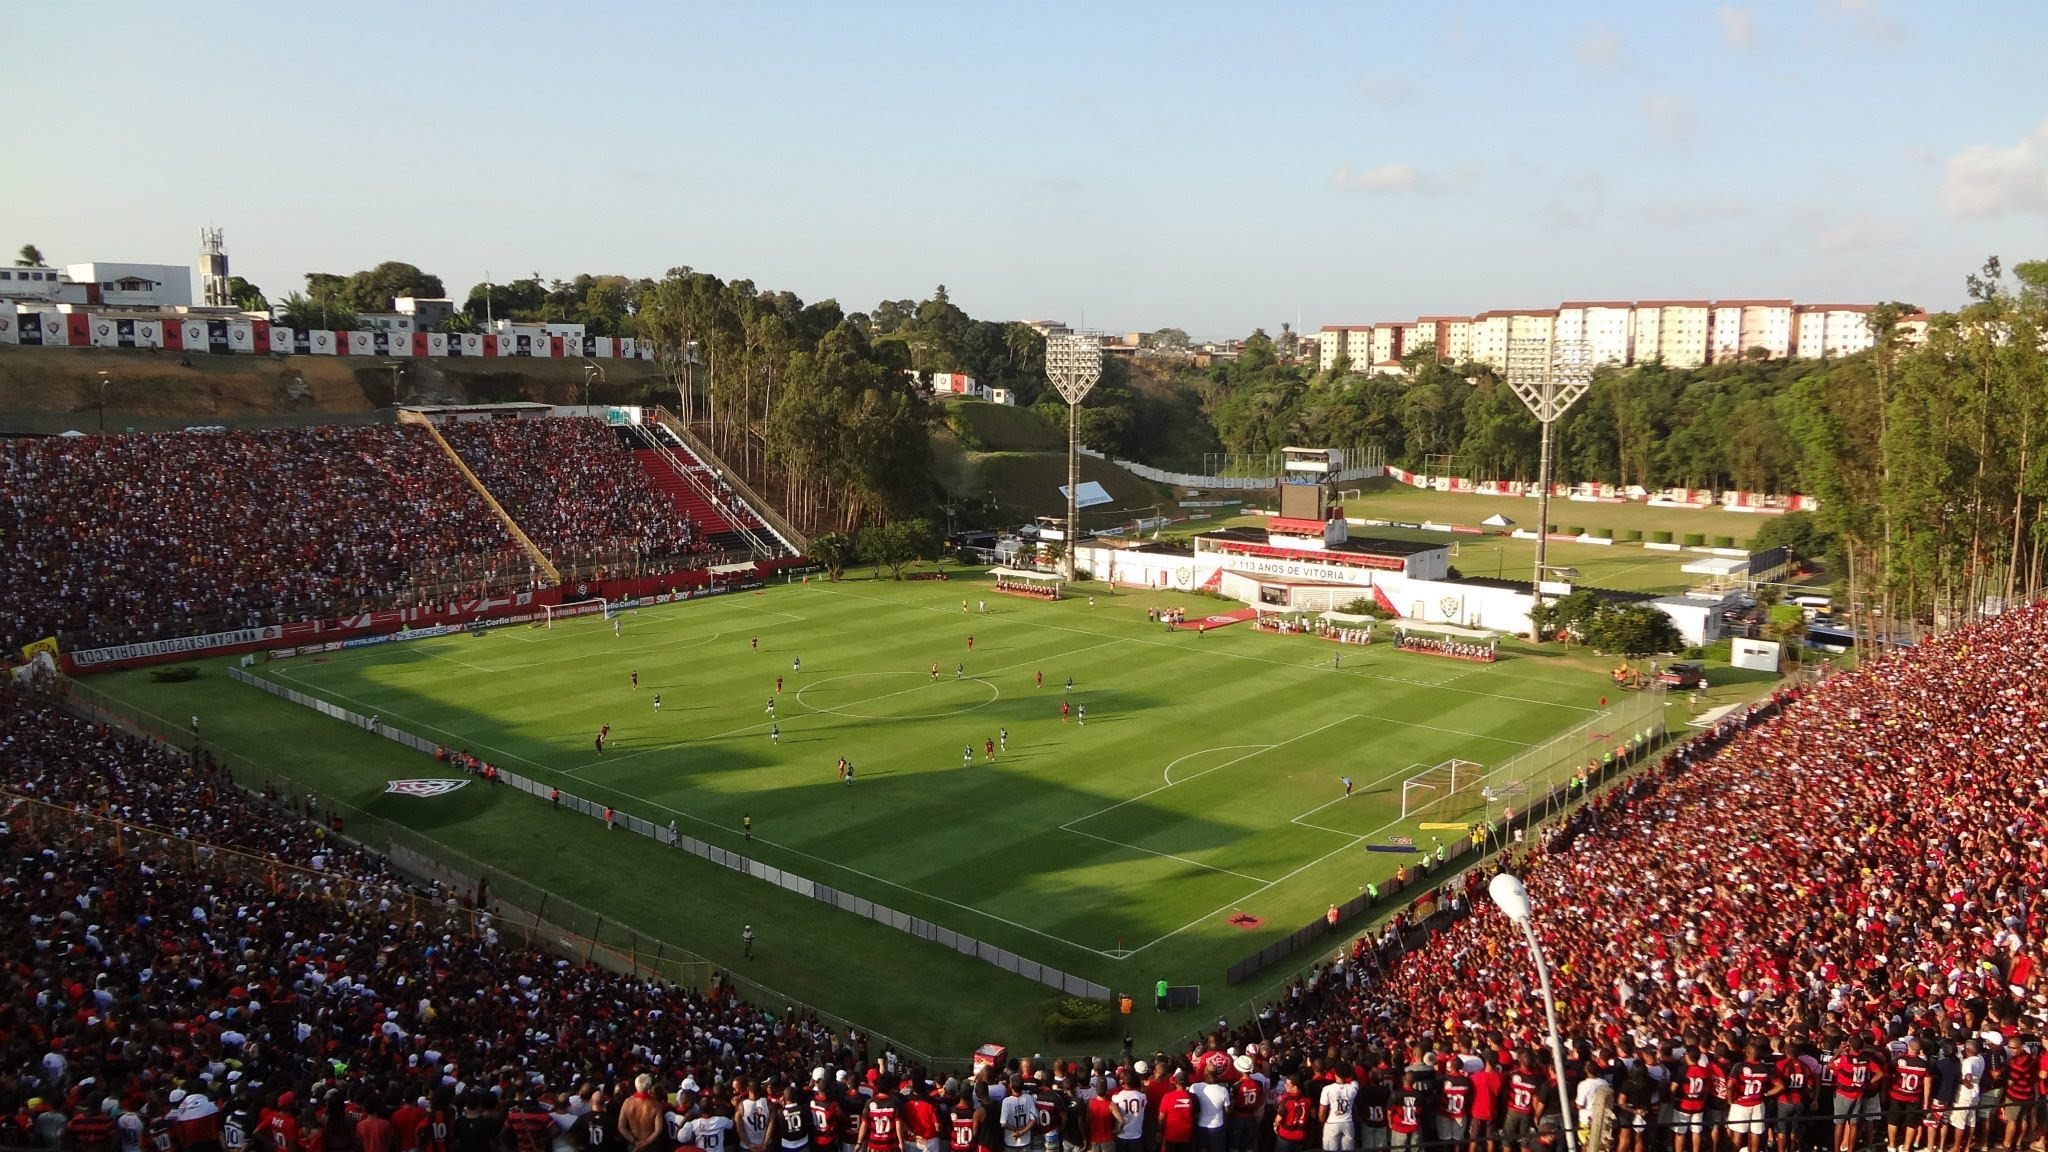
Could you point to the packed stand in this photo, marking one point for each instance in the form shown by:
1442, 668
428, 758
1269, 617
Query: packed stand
1817, 930
226, 1006
1816, 926
578, 494
116, 539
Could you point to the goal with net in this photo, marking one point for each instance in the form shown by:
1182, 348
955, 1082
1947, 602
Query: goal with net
549, 613
1449, 788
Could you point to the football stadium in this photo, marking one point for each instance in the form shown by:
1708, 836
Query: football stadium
630, 708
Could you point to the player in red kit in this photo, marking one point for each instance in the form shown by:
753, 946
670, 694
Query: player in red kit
1065, 708
634, 676
988, 749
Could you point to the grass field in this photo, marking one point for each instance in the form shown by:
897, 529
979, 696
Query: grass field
1204, 785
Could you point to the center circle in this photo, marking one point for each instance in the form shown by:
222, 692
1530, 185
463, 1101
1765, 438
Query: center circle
845, 696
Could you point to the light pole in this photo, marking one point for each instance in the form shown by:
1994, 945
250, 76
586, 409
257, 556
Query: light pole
1073, 362
1513, 899
592, 369
1548, 376
397, 396
103, 402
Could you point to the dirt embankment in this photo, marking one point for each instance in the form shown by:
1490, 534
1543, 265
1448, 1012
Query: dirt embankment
47, 390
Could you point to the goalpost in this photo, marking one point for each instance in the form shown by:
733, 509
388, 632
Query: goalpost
1448, 788
549, 612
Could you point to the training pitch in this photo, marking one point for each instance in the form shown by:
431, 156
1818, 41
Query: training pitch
1196, 815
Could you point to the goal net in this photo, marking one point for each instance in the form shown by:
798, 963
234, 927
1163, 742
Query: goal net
1449, 788
552, 612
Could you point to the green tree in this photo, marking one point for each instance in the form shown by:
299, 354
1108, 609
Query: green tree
375, 289
1571, 615
304, 313
1800, 533
246, 296
29, 256
834, 551
1633, 630
1167, 339
898, 543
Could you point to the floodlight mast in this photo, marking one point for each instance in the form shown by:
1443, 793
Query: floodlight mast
1073, 362
1548, 376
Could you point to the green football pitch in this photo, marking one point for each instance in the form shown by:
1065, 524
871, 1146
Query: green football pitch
1197, 815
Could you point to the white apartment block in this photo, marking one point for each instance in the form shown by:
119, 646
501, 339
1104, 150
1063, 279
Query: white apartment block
1682, 327
1740, 325
1350, 342
1606, 327
1679, 333
1386, 345
1490, 339
1825, 330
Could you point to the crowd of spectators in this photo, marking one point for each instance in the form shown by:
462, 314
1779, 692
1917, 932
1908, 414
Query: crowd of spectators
577, 492
114, 539
1816, 926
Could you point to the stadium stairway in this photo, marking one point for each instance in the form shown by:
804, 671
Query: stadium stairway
512, 527
730, 530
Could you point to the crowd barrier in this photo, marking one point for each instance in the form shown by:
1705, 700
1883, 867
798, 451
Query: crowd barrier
48, 329
803, 886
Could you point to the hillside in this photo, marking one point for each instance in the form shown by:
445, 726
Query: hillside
48, 390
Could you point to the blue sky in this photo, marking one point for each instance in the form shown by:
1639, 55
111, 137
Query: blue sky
1133, 165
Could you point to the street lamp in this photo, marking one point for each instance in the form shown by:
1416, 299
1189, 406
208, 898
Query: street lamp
397, 393
1073, 362
1548, 376
589, 370
103, 402
1513, 899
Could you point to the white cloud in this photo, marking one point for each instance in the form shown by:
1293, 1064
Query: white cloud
1386, 90
1738, 26
1670, 117
1868, 19
1688, 213
1599, 47
1989, 181
1401, 177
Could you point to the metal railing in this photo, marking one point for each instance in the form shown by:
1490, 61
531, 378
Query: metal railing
797, 541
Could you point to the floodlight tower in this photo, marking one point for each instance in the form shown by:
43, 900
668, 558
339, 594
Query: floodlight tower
1549, 376
1073, 362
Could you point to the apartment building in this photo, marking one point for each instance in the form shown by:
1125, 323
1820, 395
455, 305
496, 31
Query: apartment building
1349, 342
1679, 333
1823, 330
1604, 326
1741, 325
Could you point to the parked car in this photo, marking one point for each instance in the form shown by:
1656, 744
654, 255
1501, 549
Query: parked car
1684, 674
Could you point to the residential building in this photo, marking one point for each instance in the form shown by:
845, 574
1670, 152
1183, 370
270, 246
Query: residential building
1681, 332
1386, 344
1349, 342
133, 285
400, 323
38, 284
1490, 339
428, 312
1738, 326
1824, 330
1605, 327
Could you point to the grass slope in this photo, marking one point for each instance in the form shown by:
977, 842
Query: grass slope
1391, 500
1205, 783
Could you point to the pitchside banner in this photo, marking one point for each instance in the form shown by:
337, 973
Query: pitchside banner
181, 644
